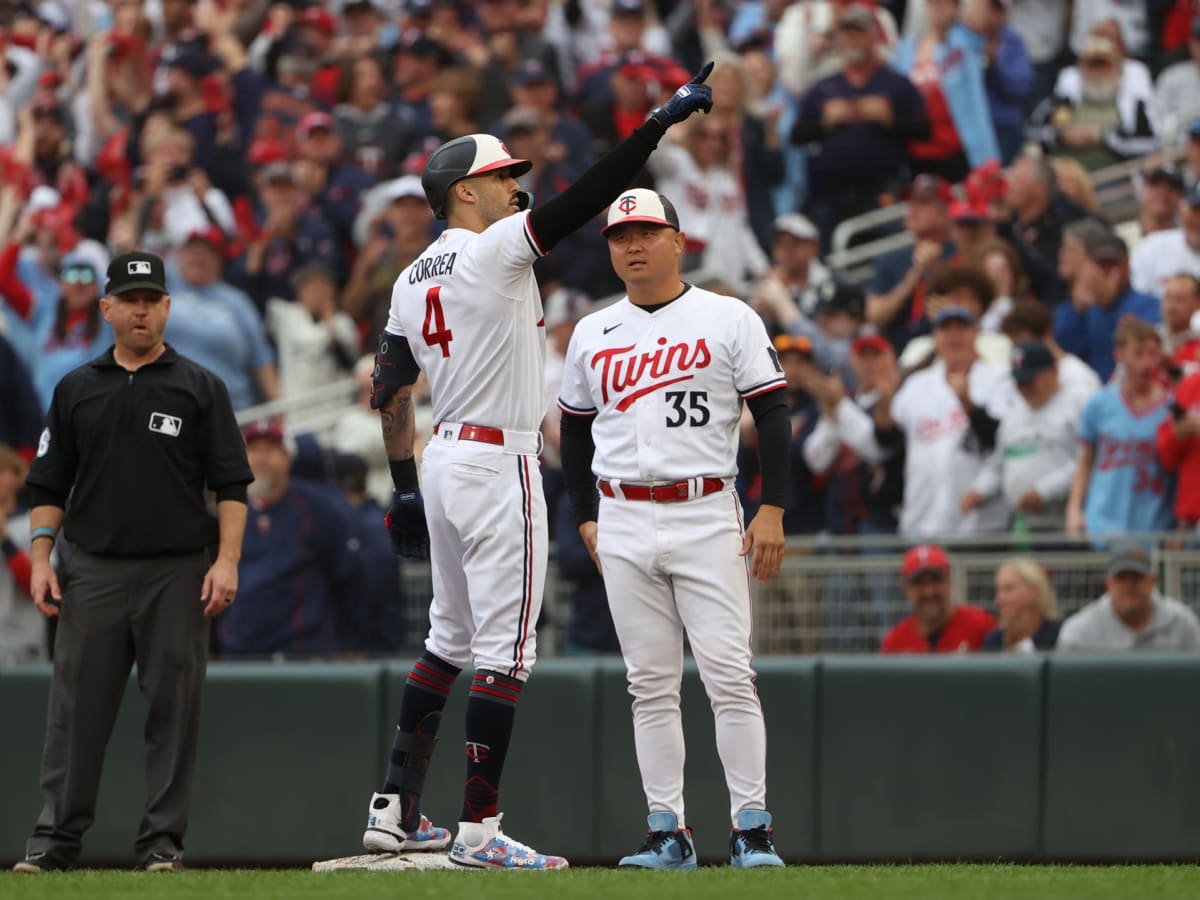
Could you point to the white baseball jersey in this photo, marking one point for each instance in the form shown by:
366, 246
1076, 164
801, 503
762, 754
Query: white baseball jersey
667, 386
471, 311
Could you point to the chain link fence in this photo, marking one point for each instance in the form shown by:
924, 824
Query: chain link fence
840, 596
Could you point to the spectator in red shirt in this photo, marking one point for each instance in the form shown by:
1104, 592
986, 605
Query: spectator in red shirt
1178, 449
938, 624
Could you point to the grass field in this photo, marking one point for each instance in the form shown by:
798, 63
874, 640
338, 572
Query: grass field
960, 882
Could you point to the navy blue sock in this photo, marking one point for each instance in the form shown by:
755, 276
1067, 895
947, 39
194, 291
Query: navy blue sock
491, 709
425, 694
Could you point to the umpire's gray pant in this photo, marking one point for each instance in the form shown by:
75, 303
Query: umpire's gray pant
116, 612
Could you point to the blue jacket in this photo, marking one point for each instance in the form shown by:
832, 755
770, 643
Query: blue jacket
960, 61
1089, 335
1009, 81
300, 564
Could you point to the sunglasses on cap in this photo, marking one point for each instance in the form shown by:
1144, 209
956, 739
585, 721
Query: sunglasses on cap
77, 275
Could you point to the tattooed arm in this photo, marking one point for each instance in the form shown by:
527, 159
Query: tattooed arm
399, 430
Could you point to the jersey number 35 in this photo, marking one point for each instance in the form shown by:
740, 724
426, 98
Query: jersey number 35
687, 408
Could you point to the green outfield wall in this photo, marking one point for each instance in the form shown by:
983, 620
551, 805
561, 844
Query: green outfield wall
966, 757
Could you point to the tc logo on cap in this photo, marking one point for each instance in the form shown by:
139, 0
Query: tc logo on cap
139, 267
627, 204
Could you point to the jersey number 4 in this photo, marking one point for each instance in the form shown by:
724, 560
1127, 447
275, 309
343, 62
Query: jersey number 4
434, 330
697, 405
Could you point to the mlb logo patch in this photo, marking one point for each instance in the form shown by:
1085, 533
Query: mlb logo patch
161, 423
139, 267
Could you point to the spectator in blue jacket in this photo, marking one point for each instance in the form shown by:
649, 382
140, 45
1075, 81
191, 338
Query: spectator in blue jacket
301, 561
856, 126
289, 234
1101, 297
382, 617
334, 186
1007, 74
20, 416
590, 628
804, 509
946, 63
215, 324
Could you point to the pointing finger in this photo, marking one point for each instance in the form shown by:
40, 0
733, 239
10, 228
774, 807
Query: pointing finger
703, 73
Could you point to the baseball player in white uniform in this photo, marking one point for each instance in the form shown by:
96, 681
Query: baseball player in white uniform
467, 313
652, 392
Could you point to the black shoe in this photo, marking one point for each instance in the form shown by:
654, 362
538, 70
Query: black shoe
163, 862
37, 863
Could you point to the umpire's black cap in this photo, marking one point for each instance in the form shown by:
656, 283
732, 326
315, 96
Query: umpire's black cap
136, 271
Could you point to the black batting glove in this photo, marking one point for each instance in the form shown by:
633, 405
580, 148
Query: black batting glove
690, 97
405, 522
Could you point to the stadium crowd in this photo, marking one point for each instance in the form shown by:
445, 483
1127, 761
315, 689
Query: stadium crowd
1018, 364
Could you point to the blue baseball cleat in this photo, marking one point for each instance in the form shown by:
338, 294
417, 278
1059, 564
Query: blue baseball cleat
667, 846
750, 843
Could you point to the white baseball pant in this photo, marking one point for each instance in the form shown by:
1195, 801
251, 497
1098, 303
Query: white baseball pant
670, 567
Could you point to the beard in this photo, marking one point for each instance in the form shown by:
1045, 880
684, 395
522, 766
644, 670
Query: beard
1100, 90
856, 56
261, 488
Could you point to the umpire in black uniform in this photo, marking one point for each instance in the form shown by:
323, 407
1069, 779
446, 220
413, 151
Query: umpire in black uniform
131, 441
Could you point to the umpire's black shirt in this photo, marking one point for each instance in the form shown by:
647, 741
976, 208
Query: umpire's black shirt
134, 450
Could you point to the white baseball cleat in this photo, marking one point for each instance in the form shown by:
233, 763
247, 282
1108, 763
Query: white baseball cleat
384, 833
483, 845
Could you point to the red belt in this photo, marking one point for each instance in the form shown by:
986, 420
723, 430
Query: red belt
481, 433
661, 493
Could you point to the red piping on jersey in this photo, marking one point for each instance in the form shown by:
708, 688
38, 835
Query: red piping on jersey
575, 412
771, 387
529, 230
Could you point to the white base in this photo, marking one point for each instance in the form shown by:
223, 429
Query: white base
387, 862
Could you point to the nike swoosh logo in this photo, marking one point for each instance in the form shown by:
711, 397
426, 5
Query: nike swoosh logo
611, 327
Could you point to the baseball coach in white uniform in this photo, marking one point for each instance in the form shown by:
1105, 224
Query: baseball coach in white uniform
651, 394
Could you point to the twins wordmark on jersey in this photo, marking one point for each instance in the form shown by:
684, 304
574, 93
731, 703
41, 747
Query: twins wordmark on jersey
667, 386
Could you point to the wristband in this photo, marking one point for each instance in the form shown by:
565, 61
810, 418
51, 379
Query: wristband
43, 533
404, 474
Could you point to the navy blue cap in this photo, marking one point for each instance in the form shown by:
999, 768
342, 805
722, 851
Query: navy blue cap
953, 314
1029, 359
532, 71
840, 297
192, 59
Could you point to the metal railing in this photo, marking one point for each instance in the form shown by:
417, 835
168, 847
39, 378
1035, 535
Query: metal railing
840, 596
1115, 189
